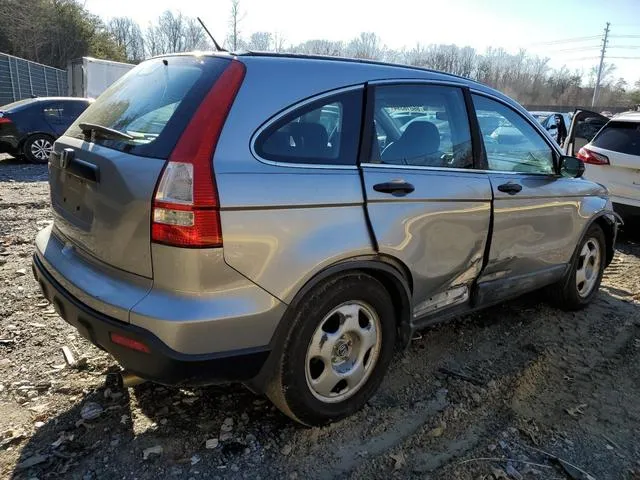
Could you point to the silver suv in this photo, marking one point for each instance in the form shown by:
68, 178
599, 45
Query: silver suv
289, 221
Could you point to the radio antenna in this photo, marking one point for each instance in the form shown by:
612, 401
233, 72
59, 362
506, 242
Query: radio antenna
218, 47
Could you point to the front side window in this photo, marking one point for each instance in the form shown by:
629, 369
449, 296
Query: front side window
421, 125
511, 143
325, 132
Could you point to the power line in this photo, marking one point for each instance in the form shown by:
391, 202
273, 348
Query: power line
625, 36
624, 58
626, 47
577, 49
567, 40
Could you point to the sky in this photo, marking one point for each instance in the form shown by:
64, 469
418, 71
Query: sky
511, 24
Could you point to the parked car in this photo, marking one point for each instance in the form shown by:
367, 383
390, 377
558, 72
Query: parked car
611, 151
548, 121
29, 127
227, 238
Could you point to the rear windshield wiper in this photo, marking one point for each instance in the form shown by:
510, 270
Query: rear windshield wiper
88, 128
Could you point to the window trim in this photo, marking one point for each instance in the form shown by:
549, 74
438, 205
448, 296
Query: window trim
292, 108
555, 150
367, 129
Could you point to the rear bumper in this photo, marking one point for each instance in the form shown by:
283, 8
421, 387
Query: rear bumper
162, 364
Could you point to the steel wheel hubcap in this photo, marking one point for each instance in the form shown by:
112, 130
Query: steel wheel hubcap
41, 149
343, 352
588, 267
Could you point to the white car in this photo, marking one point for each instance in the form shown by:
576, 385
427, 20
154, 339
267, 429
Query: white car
610, 150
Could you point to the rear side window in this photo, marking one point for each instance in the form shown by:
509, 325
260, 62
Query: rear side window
622, 137
152, 103
325, 132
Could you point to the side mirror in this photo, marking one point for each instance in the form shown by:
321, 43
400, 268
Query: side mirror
571, 167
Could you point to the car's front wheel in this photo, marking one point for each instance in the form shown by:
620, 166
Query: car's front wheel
37, 148
338, 349
582, 281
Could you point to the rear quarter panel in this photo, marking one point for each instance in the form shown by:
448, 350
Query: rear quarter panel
280, 228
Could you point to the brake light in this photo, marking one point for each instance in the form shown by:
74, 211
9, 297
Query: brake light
4, 119
129, 343
186, 209
589, 156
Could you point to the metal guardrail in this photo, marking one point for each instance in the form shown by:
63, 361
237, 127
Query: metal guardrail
20, 78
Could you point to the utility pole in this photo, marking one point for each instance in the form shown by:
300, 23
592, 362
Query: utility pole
596, 91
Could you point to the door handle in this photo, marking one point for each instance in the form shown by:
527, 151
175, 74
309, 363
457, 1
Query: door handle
510, 188
396, 188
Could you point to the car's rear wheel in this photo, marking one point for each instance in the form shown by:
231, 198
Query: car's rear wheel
582, 282
337, 351
37, 148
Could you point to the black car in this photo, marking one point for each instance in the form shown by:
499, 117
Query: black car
29, 127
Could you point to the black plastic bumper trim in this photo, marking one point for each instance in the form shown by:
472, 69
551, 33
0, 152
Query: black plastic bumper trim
163, 364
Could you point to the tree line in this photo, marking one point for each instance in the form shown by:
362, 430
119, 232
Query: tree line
54, 32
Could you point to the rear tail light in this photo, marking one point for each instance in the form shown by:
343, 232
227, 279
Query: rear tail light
4, 119
589, 156
186, 209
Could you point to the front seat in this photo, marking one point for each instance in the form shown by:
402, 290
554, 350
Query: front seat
419, 144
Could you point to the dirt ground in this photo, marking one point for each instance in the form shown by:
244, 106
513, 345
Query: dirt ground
518, 391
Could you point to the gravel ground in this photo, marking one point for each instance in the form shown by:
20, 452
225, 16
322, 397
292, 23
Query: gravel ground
518, 391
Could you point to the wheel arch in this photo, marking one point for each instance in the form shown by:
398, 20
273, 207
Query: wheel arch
608, 222
391, 273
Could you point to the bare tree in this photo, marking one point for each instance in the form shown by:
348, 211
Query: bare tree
320, 47
234, 25
195, 38
173, 32
278, 42
260, 41
128, 35
367, 45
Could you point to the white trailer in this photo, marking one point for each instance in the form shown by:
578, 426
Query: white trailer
89, 77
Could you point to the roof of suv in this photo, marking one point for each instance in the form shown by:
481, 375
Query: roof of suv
361, 61
627, 117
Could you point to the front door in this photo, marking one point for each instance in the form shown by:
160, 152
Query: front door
536, 212
426, 204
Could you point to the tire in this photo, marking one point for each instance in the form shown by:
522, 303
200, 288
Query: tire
325, 336
582, 282
37, 148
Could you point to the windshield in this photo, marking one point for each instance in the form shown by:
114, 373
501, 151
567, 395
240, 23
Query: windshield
152, 104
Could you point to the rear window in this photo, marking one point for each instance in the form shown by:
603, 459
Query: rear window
152, 103
622, 137
17, 105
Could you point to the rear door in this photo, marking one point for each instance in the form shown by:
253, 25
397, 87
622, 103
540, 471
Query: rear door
53, 114
426, 205
101, 186
584, 126
536, 212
